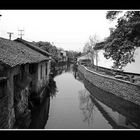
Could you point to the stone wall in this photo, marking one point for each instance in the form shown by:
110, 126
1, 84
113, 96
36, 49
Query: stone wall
22, 112
122, 106
14, 101
6, 107
8, 100
4, 113
121, 88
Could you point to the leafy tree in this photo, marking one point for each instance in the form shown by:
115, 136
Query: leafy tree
124, 39
72, 55
78, 54
111, 15
60, 49
47, 46
87, 47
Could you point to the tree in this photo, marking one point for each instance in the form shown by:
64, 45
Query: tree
93, 41
111, 15
47, 46
89, 48
124, 39
72, 55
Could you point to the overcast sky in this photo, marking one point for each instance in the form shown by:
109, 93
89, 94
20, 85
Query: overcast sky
68, 29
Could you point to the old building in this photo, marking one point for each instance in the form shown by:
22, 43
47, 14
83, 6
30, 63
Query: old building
24, 72
63, 55
40, 71
84, 58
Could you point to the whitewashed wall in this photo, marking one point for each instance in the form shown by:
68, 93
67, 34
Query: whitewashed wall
131, 67
135, 66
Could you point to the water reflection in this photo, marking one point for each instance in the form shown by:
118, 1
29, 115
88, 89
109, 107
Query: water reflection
58, 70
52, 88
119, 113
40, 114
75, 70
86, 106
79, 104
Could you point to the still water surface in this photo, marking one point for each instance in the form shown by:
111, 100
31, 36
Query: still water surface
74, 107
79, 105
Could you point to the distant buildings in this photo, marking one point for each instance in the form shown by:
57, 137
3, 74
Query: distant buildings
24, 74
84, 56
63, 55
96, 56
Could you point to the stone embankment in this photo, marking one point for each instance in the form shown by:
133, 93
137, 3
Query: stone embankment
121, 88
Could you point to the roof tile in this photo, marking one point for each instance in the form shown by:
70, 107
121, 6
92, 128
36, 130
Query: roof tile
14, 53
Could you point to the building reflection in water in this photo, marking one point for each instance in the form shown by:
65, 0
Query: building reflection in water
119, 113
115, 112
61, 69
40, 114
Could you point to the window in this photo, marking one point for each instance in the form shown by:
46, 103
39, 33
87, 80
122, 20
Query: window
32, 68
46, 68
41, 72
1, 70
2, 87
22, 68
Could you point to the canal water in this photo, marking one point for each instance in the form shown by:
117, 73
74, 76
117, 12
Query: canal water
76, 104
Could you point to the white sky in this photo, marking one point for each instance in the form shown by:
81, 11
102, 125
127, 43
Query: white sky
68, 29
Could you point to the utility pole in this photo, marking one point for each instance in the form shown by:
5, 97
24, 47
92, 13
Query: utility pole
10, 35
21, 34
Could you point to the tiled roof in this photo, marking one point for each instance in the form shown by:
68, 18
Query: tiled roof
99, 46
32, 46
14, 53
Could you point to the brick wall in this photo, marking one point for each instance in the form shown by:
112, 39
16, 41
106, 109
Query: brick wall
121, 88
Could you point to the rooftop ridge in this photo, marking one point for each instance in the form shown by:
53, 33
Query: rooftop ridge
14, 53
32, 46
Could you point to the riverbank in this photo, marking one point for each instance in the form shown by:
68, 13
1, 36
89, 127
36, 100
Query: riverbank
117, 104
121, 88
78, 104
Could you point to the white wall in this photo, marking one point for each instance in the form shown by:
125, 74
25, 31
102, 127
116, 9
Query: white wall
131, 67
102, 61
134, 66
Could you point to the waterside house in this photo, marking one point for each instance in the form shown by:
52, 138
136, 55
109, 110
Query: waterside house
63, 56
24, 73
41, 71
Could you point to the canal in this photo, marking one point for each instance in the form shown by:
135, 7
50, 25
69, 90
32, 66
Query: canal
76, 104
